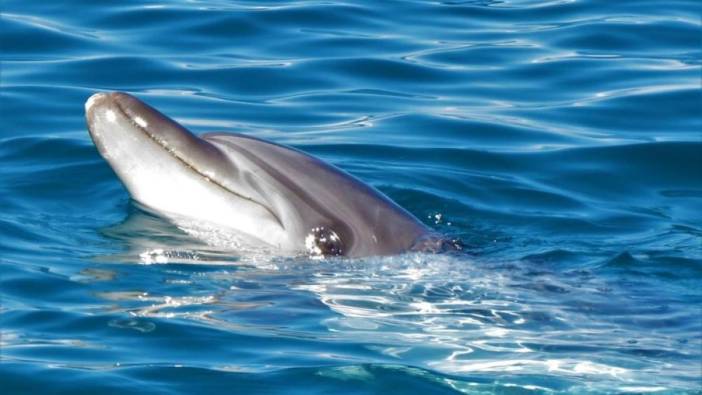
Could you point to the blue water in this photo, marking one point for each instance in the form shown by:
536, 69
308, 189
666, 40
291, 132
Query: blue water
559, 140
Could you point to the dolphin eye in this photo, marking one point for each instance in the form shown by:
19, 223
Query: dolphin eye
323, 241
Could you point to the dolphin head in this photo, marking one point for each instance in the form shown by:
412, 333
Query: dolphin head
271, 193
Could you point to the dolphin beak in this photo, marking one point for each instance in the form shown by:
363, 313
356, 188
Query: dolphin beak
119, 113
153, 155
94, 102
103, 109
122, 125
95, 99
100, 112
106, 101
110, 105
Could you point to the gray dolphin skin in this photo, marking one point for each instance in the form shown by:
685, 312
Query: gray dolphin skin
279, 196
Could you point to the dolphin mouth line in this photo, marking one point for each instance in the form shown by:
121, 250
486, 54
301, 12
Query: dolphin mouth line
189, 165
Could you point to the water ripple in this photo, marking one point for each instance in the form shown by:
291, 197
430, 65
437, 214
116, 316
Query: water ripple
558, 140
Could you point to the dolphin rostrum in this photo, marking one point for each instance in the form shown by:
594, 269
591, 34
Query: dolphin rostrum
273, 194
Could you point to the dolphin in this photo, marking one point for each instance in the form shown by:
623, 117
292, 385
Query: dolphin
273, 194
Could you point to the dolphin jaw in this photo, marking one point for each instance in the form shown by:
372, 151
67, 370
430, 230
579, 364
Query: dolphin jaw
161, 178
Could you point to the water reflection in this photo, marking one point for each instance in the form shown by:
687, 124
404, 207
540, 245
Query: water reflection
436, 311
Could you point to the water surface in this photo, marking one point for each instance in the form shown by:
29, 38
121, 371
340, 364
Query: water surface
559, 140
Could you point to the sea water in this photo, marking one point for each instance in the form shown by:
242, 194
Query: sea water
560, 141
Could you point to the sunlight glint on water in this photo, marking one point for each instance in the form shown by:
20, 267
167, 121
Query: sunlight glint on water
559, 140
